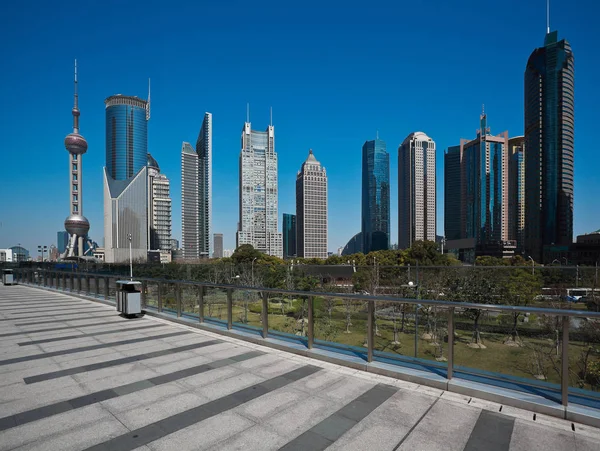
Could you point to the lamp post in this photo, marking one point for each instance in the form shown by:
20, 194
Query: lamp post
532, 265
42, 249
130, 257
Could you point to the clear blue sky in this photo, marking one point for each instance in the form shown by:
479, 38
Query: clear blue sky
334, 73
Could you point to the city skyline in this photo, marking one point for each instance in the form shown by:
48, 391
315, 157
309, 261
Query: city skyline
338, 140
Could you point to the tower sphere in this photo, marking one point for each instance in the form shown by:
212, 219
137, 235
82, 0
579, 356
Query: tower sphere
75, 143
77, 225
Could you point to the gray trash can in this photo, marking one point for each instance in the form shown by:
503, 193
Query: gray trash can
8, 277
129, 297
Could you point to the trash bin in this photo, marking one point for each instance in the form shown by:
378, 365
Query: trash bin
7, 277
129, 297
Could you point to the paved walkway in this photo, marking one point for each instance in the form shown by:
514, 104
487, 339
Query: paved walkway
74, 376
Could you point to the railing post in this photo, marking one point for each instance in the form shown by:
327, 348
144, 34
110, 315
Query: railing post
229, 308
370, 330
564, 383
97, 285
106, 282
87, 285
265, 314
159, 296
311, 322
72, 282
201, 303
143, 296
450, 342
178, 299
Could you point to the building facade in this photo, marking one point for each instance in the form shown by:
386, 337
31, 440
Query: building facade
258, 202
62, 241
204, 151
452, 193
311, 209
375, 214
289, 236
549, 144
160, 215
218, 245
190, 204
126, 187
416, 190
516, 191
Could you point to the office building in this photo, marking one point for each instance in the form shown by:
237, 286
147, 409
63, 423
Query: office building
311, 209
549, 146
159, 208
375, 223
196, 194
516, 191
258, 203
289, 235
126, 179
218, 245
76, 225
62, 241
452, 192
174, 244
416, 190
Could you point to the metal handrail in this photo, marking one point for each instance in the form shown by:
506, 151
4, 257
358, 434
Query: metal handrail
366, 298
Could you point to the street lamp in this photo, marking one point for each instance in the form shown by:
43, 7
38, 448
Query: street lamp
42, 249
532, 265
411, 284
130, 257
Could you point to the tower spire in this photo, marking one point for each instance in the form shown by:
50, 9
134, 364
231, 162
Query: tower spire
248, 112
547, 16
75, 103
271, 117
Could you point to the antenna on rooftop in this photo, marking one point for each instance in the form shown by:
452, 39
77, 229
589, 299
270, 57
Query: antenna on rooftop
247, 112
548, 16
148, 104
271, 120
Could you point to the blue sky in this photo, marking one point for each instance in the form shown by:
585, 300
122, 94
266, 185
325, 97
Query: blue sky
334, 73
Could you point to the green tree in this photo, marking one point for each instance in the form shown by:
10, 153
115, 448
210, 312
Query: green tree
523, 287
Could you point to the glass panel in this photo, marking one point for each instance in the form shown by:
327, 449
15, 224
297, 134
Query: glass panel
215, 305
152, 295
247, 308
189, 300
112, 288
342, 323
288, 317
167, 295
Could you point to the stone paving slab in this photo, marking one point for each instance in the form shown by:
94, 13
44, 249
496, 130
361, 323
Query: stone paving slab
236, 402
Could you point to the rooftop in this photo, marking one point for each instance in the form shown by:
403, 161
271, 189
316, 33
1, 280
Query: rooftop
77, 376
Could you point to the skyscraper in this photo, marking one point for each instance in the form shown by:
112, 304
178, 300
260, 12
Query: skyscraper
375, 224
126, 178
159, 208
452, 192
485, 187
258, 191
416, 190
549, 144
204, 151
311, 209
289, 236
76, 225
218, 245
62, 241
190, 205
196, 193
516, 190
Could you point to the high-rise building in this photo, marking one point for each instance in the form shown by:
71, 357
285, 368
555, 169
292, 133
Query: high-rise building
311, 209
196, 193
218, 245
126, 178
159, 208
76, 225
190, 205
452, 192
416, 190
549, 146
204, 151
289, 236
485, 187
375, 224
62, 241
516, 190
258, 191
174, 244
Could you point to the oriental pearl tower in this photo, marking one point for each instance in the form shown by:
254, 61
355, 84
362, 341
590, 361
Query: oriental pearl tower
76, 225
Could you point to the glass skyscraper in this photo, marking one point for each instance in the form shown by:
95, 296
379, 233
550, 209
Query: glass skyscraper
204, 151
126, 135
289, 235
452, 193
375, 223
549, 144
516, 190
